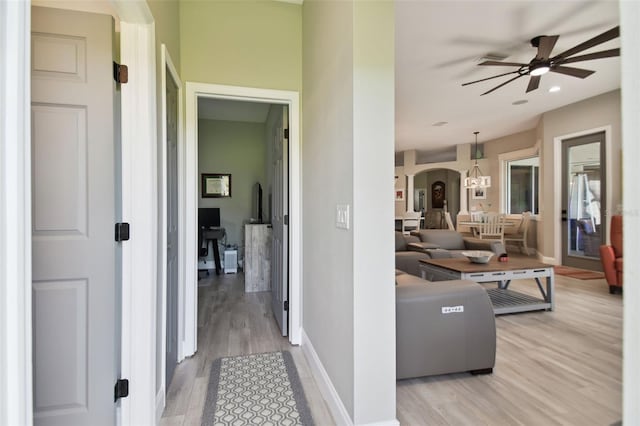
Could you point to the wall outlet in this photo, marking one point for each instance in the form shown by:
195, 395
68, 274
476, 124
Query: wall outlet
342, 216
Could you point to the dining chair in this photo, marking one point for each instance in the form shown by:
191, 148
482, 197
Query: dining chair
492, 227
520, 236
410, 221
447, 218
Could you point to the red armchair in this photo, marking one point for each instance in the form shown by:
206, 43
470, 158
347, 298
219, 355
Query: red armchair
611, 256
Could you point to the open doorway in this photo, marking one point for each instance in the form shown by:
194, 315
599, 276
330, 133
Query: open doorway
243, 198
197, 95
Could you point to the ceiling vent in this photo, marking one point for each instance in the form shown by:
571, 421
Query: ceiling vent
493, 57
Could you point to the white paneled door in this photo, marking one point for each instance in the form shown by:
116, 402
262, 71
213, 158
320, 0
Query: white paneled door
73, 189
280, 221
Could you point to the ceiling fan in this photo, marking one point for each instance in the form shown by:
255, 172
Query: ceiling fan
542, 63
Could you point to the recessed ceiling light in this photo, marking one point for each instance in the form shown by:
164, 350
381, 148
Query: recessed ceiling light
554, 89
440, 123
520, 102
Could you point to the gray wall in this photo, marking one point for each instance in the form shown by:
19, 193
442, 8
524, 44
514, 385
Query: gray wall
349, 309
599, 111
237, 148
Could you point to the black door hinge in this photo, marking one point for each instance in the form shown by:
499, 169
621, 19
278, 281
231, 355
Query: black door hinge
286, 305
121, 390
286, 219
286, 133
120, 73
122, 231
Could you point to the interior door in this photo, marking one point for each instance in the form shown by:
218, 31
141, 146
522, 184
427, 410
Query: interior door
583, 195
75, 337
172, 228
280, 221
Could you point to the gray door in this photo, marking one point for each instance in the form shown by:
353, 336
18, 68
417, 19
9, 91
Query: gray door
279, 220
73, 215
583, 195
172, 227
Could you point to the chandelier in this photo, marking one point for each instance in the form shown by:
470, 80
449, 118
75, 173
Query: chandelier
476, 179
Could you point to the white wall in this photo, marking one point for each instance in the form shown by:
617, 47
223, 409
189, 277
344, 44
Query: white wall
630, 61
349, 309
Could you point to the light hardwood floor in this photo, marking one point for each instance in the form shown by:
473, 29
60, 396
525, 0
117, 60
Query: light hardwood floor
231, 322
562, 367
552, 368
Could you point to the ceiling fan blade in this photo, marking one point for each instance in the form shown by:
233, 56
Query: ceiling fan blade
596, 55
504, 64
573, 72
500, 85
489, 78
599, 39
545, 47
534, 82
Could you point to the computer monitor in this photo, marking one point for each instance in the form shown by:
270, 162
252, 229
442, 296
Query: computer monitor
209, 217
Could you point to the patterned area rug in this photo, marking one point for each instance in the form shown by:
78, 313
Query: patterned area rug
581, 274
258, 389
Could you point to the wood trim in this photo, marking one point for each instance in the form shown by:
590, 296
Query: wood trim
15, 214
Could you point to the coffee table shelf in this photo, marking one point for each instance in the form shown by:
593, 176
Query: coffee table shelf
504, 301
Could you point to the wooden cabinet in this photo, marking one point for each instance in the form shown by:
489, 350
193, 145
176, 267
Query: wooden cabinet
257, 257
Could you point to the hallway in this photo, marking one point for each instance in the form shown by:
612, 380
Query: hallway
231, 322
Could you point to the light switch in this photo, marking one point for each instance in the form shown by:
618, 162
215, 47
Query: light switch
342, 216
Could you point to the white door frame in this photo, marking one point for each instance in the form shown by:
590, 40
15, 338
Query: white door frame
558, 167
166, 62
15, 214
139, 208
249, 94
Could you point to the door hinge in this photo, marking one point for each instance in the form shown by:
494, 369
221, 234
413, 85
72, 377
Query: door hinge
122, 231
120, 73
121, 390
286, 133
286, 305
286, 219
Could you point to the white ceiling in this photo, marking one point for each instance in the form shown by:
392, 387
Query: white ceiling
440, 43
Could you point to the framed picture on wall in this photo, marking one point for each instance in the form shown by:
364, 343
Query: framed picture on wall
216, 185
399, 194
437, 195
479, 193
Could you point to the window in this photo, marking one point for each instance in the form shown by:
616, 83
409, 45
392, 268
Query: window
521, 185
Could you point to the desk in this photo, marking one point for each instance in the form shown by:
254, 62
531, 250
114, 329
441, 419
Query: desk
504, 301
213, 235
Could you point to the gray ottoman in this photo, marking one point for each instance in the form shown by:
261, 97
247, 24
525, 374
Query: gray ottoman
443, 327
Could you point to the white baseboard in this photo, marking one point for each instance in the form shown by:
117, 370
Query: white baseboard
160, 402
328, 391
546, 259
387, 423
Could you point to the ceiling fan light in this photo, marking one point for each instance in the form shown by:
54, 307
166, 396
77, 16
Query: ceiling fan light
539, 70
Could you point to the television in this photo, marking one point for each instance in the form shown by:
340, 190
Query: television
209, 217
256, 203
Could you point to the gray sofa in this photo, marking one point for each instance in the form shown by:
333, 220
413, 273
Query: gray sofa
443, 327
407, 260
439, 243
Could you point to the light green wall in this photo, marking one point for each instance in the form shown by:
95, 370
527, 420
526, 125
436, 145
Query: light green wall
166, 16
242, 43
237, 148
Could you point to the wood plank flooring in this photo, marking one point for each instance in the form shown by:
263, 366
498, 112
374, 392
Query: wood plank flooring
231, 322
552, 368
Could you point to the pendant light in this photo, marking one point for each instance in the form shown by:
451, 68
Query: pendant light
476, 178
